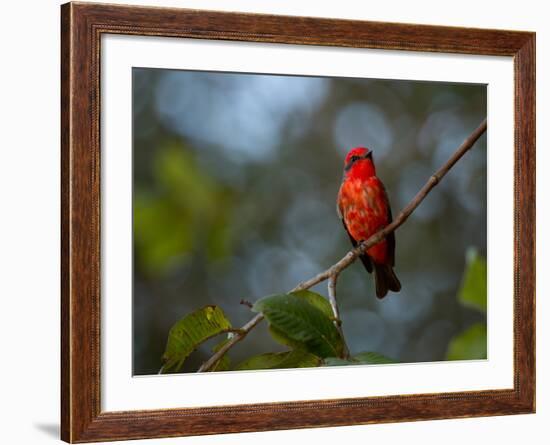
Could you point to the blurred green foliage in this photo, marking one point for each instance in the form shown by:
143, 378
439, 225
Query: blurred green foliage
473, 292
186, 211
472, 343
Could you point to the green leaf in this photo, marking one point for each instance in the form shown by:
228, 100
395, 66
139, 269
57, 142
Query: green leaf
335, 361
473, 292
363, 358
280, 360
301, 322
372, 358
316, 300
189, 332
470, 345
281, 338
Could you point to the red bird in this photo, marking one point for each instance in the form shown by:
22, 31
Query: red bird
364, 208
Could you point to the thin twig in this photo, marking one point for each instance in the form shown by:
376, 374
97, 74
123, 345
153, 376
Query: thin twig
352, 255
334, 304
332, 298
234, 340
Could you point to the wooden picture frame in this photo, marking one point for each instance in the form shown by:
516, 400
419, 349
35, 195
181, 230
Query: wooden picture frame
82, 25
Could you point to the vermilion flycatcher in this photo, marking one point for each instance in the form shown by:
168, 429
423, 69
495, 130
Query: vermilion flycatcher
364, 208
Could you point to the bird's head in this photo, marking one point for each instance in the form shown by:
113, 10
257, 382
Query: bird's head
358, 163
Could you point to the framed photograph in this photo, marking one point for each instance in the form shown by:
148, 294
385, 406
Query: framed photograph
274, 222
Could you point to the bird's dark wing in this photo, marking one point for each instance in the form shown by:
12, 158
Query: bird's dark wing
364, 258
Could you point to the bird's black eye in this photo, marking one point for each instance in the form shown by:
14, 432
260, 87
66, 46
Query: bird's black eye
354, 158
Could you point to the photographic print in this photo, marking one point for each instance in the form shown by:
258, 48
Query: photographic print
248, 186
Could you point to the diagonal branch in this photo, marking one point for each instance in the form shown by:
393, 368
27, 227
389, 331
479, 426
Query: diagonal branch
352, 255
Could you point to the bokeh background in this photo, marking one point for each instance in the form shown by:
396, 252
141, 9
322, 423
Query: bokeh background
235, 184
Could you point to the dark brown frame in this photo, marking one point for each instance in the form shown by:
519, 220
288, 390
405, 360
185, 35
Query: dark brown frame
82, 25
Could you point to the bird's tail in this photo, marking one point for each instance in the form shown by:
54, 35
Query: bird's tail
385, 279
